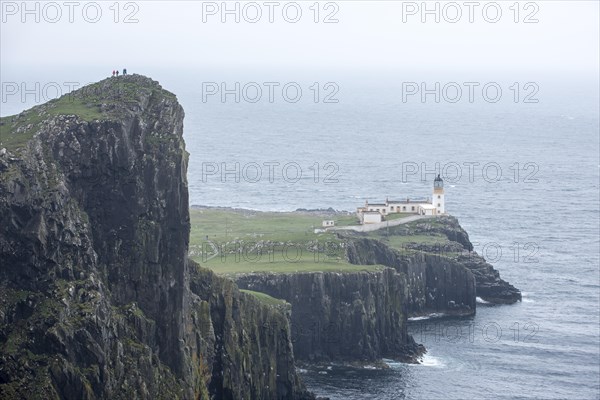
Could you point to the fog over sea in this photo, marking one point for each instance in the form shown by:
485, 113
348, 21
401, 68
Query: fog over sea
522, 178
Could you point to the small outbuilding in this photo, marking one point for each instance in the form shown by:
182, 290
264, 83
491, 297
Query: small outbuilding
371, 217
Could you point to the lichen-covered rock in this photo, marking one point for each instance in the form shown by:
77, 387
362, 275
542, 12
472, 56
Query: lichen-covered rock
95, 298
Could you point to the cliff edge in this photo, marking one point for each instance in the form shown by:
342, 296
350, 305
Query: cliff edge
97, 296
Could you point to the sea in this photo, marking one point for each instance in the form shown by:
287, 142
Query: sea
520, 159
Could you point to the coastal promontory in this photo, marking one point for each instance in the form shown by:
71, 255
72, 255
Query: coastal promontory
98, 299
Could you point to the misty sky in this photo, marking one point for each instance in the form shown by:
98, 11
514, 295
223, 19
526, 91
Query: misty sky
369, 35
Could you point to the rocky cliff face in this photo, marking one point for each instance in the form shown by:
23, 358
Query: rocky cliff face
459, 250
358, 316
434, 284
248, 344
95, 298
362, 316
444, 276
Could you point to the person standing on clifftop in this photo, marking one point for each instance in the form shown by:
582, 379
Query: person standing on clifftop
124, 71
117, 71
113, 72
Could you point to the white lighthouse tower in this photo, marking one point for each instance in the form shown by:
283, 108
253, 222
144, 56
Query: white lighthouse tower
437, 200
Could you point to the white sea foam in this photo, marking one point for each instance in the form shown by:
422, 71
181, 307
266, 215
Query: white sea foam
392, 363
430, 361
425, 317
481, 301
525, 298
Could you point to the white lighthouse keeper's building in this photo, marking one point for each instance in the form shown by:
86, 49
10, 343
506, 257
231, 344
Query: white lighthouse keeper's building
374, 213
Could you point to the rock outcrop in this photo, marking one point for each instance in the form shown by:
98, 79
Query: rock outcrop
444, 275
362, 316
353, 316
434, 284
97, 296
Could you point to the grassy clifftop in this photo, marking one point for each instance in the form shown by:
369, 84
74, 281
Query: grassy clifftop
234, 241
442, 237
107, 99
241, 241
